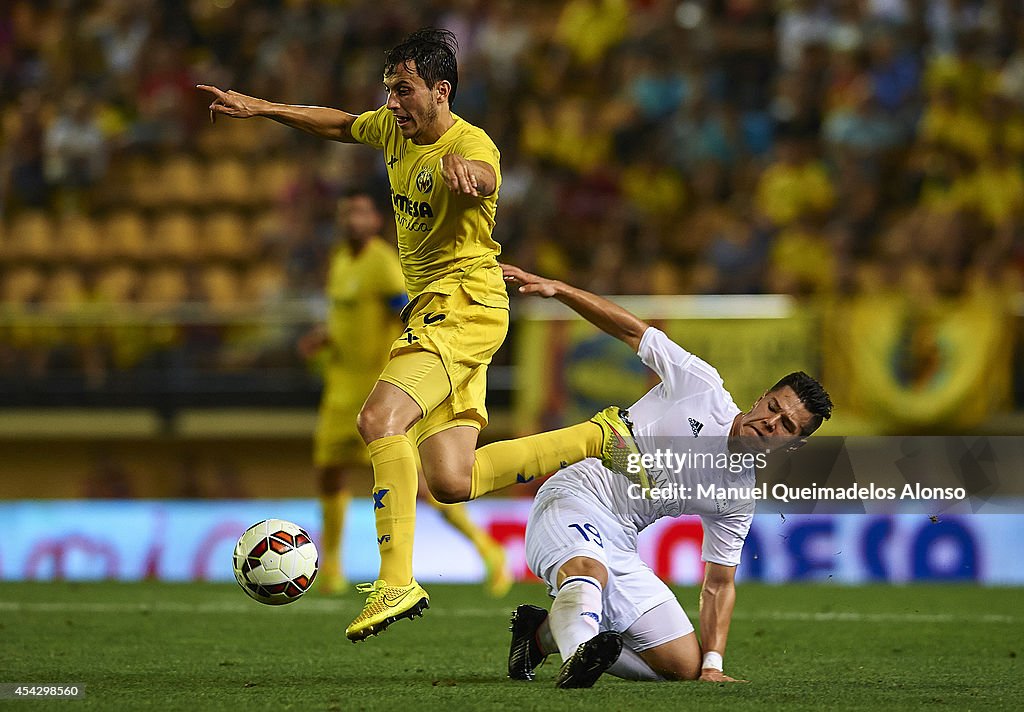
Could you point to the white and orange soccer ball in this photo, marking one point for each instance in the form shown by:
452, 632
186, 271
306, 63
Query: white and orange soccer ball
275, 561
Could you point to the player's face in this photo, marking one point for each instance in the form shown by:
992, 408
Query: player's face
775, 421
358, 217
413, 104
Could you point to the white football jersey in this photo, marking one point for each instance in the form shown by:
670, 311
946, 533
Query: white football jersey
689, 412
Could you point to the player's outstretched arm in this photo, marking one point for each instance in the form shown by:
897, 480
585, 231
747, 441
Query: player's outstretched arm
320, 121
602, 313
717, 599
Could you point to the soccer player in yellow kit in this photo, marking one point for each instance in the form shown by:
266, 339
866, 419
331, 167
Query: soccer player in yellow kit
364, 286
445, 176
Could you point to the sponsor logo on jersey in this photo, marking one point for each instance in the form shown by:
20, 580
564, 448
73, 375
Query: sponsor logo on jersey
412, 208
695, 426
432, 318
425, 181
392, 161
408, 336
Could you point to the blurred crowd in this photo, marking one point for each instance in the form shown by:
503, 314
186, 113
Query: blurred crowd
809, 147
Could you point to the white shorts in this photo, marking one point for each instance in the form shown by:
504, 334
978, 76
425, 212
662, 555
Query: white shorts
564, 524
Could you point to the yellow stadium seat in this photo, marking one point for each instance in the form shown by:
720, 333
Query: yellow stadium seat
31, 236
65, 288
265, 281
229, 184
176, 237
117, 284
183, 182
220, 286
142, 186
273, 177
164, 286
21, 285
126, 236
80, 239
227, 236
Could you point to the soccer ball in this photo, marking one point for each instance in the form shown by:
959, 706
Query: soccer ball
275, 561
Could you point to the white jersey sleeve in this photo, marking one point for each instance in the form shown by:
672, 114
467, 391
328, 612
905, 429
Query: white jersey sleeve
682, 373
724, 535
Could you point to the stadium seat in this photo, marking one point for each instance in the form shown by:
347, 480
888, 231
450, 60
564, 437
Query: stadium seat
141, 184
273, 177
227, 236
229, 184
117, 284
182, 182
31, 236
164, 287
125, 236
21, 285
65, 288
219, 286
80, 238
265, 281
175, 237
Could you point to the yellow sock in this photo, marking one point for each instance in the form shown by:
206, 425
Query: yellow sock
458, 517
332, 509
498, 580
508, 462
394, 505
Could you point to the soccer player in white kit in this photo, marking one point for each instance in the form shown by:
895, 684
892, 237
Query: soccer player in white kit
611, 613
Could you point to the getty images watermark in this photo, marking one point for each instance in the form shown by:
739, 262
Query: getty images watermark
714, 475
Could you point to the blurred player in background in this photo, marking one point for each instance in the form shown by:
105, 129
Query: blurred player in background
364, 286
445, 176
611, 613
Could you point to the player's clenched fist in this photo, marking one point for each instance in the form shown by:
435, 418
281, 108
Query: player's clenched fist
231, 103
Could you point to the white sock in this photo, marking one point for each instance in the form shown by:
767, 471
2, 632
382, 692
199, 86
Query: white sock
576, 613
630, 666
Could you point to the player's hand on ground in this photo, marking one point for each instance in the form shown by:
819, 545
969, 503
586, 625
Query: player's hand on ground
230, 102
529, 283
459, 175
712, 675
312, 341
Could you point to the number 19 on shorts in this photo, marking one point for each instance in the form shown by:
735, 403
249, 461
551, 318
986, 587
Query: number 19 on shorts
589, 533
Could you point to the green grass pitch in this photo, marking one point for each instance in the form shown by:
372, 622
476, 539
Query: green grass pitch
198, 647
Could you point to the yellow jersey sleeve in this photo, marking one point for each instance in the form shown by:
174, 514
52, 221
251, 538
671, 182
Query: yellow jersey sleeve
369, 127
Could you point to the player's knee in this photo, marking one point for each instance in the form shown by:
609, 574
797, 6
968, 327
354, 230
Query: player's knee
449, 490
683, 670
375, 422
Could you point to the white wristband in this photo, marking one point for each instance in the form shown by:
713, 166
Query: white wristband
712, 661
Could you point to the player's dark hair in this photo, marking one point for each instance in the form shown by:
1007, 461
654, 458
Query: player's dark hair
812, 394
433, 51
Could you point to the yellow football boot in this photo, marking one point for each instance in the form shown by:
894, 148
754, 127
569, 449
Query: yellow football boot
498, 580
384, 605
619, 453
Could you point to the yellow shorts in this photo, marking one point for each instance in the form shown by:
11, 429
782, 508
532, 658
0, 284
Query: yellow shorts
441, 359
336, 441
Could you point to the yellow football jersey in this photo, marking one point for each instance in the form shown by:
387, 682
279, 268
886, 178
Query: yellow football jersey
444, 240
362, 319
